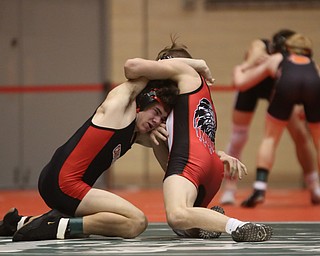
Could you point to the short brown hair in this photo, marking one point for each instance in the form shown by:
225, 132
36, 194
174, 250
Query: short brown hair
173, 51
163, 91
279, 39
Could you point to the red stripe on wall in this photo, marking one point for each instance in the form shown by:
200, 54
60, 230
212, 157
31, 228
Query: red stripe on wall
222, 88
64, 88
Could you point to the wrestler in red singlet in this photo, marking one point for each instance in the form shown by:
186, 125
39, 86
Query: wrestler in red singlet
193, 120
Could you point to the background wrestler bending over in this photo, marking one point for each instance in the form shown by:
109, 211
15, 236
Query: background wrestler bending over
244, 107
297, 82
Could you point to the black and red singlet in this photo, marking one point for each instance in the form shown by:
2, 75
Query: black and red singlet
192, 126
76, 165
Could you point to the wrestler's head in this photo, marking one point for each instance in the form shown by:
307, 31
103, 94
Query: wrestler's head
154, 103
174, 51
279, 39
299, 44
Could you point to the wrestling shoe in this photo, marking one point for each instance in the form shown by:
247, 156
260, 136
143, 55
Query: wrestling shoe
251, 232
256, 198
198, 232
211, 234
228, 197
44, 227
10, 222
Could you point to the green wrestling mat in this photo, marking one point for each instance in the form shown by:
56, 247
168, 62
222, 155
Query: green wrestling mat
289, 238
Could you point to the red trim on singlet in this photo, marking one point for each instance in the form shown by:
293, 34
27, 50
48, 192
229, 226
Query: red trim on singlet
72, 171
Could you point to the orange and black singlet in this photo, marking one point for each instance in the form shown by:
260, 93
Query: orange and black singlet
298, 82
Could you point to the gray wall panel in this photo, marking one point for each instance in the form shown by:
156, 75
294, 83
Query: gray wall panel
45, 43
61, 41
49, 120
10, 140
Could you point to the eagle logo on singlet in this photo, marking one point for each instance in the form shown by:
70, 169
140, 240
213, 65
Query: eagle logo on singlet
204, 123
116, 153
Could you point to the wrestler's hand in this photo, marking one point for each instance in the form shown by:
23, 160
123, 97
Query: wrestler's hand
232, 165
206, 73
160, 133
200, 66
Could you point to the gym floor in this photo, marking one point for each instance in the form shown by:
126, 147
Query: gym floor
296, 224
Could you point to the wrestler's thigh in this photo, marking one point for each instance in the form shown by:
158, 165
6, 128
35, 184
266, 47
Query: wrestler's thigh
97, 200
178, 192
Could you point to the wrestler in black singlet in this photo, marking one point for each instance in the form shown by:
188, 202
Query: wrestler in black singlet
298, 83
246, 101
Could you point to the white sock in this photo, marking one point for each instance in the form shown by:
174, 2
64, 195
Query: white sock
21, 222
312, 182
233, 224
260, 185
238, 139
62, 228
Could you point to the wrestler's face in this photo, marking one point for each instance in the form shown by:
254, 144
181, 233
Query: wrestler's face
151, 117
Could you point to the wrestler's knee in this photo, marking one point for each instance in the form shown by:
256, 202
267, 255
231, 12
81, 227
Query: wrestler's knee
136, 225
177, 218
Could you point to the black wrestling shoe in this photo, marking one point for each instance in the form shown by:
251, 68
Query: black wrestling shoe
44, 227
251, 232
198, 232
10, 222
256, 198
211, 234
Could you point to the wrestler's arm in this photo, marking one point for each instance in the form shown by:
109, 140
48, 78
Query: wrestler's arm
317, 68
244, 79
119, 108
161, 153
199, 65
256, 53
232, 165
184, 75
